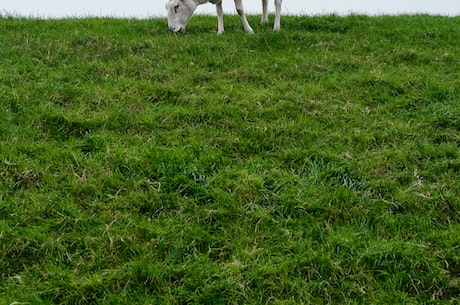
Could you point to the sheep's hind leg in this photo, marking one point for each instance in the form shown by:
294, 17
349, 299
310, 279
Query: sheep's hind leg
277, 25
264, 11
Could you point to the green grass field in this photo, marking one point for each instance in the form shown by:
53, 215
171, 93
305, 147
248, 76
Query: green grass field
315, 165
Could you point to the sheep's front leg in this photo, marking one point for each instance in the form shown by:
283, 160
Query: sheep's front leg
240, 10
220, 18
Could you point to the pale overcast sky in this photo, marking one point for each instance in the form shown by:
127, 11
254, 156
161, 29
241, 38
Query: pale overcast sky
156, 8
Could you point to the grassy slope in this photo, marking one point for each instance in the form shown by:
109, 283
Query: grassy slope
315, 165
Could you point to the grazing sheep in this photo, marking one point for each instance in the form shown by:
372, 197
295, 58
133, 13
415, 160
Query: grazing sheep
180, 11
